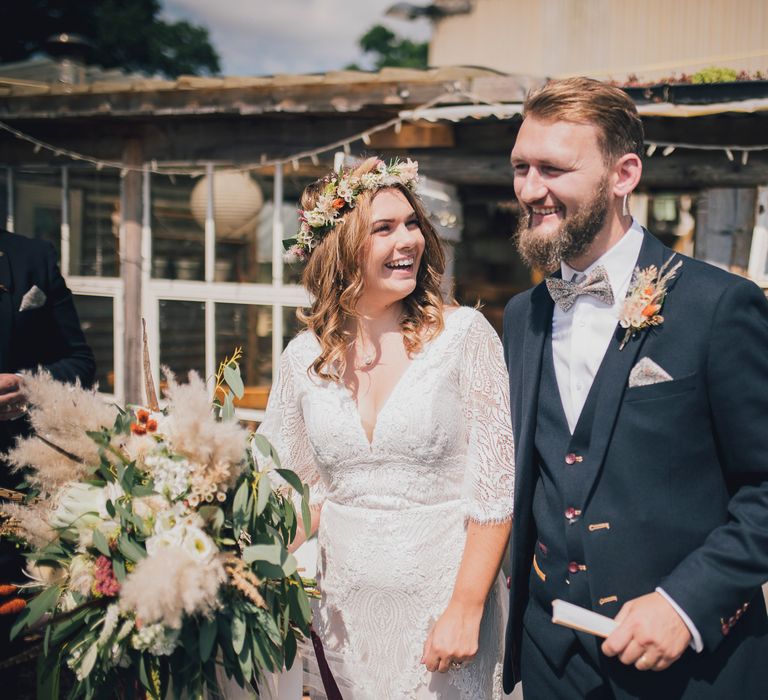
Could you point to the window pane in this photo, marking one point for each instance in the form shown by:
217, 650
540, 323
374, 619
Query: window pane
97, 320
37, 201
291, 325
250, 327
182, 336
178, 235
94, 218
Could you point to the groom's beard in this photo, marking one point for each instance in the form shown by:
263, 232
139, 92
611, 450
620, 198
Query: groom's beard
570, 240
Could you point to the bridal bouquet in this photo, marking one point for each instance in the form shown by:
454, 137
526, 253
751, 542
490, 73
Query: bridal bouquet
158, 544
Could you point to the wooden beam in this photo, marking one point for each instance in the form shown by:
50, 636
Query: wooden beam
418, 135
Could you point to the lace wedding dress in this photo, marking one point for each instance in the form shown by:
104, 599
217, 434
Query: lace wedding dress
394, 510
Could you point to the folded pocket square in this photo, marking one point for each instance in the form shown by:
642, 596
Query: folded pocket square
33, 299
647, 372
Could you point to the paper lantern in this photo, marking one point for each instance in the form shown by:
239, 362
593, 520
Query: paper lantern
237, 200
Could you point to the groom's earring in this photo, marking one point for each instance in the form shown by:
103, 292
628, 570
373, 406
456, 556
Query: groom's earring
625, 206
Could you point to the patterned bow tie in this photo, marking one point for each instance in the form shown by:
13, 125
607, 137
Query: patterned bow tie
596, 284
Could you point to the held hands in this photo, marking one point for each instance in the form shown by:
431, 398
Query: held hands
650, 635
12, 401
453, 639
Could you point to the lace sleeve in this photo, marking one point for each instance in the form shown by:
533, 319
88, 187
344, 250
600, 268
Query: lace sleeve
489, 480
284, 427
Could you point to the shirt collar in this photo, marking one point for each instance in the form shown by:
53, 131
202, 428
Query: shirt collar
619, 261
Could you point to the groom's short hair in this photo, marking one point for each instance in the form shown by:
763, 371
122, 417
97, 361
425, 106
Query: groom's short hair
588, 101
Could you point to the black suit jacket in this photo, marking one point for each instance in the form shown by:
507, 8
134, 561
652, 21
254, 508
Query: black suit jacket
681, 467
50, 335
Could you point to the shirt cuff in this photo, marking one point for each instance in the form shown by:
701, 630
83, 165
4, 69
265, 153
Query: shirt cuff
696, 642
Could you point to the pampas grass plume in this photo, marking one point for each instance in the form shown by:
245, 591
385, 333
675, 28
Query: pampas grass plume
164, 587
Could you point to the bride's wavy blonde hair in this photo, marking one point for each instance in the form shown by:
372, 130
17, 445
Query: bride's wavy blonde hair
334, 277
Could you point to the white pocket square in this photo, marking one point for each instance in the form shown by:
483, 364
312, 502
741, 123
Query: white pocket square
647, 372
33, 299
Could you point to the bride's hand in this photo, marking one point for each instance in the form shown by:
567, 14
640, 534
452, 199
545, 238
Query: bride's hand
453, 638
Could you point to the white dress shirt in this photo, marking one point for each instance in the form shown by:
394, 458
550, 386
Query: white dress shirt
580, 338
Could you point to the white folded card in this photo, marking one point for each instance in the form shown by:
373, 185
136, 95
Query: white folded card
578, 618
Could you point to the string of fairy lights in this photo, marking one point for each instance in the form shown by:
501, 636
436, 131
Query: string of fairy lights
479, 109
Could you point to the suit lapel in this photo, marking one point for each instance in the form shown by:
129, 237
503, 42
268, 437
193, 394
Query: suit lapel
539, 317
6, 308
613, 375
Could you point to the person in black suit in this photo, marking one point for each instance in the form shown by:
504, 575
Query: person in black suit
639, 395
39, 327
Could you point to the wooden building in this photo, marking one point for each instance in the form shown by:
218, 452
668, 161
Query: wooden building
168, 199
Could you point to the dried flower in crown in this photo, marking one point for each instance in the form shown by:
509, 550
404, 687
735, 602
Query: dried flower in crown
339, 192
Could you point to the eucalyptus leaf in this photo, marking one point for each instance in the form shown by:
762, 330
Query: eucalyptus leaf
239, 630
262, 444
118, 566
306, 514
292, 478
290, 648
207, 639
228, 408
270, 553
299, 602
36, 608
100, 542
141, 490
130, 549
234, 380
264, 491
48, 676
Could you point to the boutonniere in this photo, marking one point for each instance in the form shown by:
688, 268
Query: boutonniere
645, 298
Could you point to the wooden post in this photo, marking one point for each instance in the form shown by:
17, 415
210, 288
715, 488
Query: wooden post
130, 271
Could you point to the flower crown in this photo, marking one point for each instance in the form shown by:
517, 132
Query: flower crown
339, 192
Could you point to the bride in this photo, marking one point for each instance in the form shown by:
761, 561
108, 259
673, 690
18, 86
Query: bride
393, 405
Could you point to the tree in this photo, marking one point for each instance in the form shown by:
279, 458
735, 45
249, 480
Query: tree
122, 34
390, 50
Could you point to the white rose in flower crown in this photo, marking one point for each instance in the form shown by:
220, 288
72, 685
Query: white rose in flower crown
198, 545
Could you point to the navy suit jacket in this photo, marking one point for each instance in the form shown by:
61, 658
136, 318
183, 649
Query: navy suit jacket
679, 469
50, 335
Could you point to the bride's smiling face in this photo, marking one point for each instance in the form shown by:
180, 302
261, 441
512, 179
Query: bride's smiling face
396, 245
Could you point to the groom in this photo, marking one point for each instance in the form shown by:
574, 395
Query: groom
642, 446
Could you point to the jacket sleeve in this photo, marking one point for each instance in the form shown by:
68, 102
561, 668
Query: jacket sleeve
715, 581
75, 358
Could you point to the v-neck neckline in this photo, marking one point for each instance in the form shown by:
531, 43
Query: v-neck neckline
370, 442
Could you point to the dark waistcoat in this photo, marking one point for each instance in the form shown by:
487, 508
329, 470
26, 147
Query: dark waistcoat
558, 569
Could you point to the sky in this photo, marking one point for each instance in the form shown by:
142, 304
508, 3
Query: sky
266, 37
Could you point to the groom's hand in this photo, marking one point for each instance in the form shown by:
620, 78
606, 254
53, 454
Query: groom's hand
650, 635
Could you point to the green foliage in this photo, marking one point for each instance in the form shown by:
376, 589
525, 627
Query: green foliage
713, 74
389, 50
126, 34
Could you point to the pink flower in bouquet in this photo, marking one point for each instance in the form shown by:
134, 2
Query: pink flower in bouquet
105, 583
